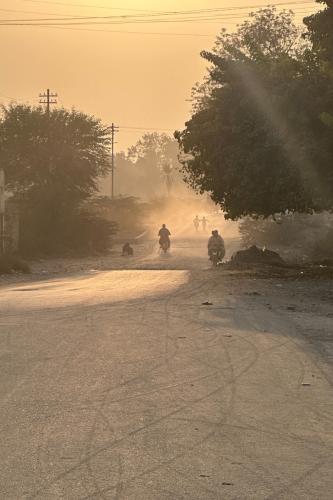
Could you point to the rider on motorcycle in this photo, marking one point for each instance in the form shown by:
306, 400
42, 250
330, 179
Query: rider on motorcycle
164, 236
216, 244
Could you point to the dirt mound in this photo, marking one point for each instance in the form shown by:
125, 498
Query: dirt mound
255, 255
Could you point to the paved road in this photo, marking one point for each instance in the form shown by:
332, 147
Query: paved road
122, 385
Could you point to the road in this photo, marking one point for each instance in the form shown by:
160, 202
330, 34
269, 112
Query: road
121, 384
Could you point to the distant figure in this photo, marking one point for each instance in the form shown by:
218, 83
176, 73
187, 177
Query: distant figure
216, 243
127, 250
196, 223
204, 223
164, 236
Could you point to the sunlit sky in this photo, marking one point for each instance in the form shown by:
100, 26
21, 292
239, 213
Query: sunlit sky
138, 75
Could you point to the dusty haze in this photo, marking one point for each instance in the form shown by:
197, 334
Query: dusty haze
134, 79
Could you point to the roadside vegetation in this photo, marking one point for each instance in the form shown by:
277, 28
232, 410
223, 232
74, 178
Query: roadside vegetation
301, 238
260, 139
10, 264
259, 144
52, 164
149, 169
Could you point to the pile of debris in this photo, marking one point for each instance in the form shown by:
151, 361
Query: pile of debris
263, 263
255, 255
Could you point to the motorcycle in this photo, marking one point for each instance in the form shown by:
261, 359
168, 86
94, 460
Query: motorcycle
164, 245
215, 257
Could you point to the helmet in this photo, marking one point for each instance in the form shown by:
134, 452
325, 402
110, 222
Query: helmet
215, 232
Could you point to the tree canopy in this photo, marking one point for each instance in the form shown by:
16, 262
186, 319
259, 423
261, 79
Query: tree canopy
62, 153
150, 168
320, 32
257, 138
52, 163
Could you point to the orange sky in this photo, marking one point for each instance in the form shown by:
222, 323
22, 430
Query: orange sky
133, 79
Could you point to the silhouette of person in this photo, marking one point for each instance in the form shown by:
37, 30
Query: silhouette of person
127, 250
204, 223
196, 223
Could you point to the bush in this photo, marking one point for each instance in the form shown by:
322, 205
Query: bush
51, 234
322, 251
128, 212
9, 263
86, 232
307, 236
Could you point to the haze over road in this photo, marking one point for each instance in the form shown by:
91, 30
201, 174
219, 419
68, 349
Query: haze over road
122, 385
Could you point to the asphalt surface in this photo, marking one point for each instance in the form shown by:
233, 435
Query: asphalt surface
123, 385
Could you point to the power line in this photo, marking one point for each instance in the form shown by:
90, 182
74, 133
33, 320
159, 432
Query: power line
133, 32
8, 97
31, 12
114, 128
11, 98
156, 129
202, 14
88, 6
157, 21
93, 6
216, 21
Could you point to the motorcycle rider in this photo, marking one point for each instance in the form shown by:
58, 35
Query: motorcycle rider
164, 235
196, 223
204, 223
216, 243
127, 250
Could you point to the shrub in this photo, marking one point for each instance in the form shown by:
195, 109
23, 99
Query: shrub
322, 251
128, 212
306, 236
77, 231
9, 263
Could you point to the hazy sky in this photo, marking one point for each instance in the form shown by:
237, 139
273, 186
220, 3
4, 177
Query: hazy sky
133, 79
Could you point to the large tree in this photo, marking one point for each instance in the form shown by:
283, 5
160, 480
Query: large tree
52, 163
150, 168
60, 154
320, 31
251, 141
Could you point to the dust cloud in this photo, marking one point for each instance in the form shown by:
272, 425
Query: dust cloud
179, 213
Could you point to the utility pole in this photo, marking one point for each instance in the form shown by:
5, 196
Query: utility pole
2, 212
48, 98
114, 129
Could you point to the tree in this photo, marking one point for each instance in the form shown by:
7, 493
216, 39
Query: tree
150, 166
320, 32
52, 163
251, 141
60, 154
146, 154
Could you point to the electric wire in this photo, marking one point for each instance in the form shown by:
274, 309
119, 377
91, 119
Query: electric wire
86, 6
138, 22
92, 6
201, 14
